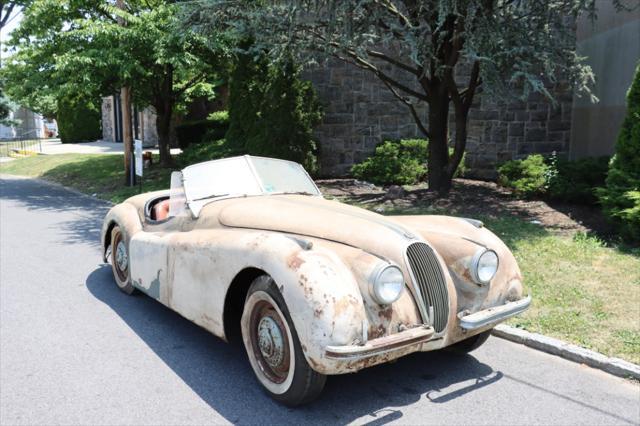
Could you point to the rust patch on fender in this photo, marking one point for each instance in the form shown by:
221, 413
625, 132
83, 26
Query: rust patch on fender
294, 262
386, 314
375, 332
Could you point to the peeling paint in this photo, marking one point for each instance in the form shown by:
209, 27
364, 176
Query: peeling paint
188, 264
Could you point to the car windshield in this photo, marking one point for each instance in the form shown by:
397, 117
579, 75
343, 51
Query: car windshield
243, 176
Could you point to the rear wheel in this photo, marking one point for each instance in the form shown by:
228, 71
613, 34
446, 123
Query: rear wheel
273, 347
120, 261
472, 343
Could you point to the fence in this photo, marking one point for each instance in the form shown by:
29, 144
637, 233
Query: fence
20, 146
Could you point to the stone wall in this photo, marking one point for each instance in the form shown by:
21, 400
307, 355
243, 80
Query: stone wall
108, 133
147, 131
360, 112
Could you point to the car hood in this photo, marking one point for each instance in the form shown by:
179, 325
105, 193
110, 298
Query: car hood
319, 218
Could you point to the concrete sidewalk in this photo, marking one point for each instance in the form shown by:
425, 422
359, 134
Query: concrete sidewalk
97, 147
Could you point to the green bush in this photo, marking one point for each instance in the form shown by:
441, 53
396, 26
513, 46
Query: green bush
576, 181
198, 131
394, 162
272, 112
621, 197
197, 153
527, 177
78, 120
400, 162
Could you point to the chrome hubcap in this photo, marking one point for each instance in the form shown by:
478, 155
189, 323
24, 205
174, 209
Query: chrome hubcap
122, 260
271, 342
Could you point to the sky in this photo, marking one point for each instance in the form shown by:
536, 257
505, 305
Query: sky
16, 17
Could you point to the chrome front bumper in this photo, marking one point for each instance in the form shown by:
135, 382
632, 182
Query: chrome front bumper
494, 315
381, 345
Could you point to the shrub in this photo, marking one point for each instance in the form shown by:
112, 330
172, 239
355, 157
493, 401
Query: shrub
394, 162
272, 112
576, 181
621, 197
198, 131
527, 177
78, 121
402, 162
197, 153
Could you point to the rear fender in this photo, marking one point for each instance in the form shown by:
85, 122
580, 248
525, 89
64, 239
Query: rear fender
124, 215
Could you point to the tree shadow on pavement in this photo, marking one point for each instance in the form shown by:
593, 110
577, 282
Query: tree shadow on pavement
220, 373
85, 213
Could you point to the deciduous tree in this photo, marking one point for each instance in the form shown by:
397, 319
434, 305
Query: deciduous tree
71, 47
418, 48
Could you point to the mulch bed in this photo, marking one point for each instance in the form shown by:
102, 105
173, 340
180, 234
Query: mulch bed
472, 198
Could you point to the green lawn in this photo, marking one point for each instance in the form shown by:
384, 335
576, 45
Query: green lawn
585, 292
98, 174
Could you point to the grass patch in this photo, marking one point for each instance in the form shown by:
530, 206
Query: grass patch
584, 291
101, 175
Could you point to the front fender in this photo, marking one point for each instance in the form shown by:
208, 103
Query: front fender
321, 293
457, 240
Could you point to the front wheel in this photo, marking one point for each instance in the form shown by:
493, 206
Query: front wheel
472, 343
273, 347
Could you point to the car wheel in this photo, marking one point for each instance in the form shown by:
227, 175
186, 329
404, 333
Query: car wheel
120, 261
273, 347
472, 343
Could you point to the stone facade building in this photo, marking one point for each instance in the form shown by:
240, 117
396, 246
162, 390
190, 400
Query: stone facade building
360, 112
144, 122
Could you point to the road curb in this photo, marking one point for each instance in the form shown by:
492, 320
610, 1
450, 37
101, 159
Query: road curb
616, 366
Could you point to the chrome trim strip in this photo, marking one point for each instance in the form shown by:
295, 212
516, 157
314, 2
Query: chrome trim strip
495, 314
381, 345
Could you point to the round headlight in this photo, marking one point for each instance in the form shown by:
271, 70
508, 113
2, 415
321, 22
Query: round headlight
387, 284
484, 266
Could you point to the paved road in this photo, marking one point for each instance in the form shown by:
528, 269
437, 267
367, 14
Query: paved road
75, 350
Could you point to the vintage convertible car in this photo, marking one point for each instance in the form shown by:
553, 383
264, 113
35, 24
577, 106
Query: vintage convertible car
248, 247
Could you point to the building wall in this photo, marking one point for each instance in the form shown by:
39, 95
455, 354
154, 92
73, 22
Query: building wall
360, 112
146, 123
30, 125
108, 132
612, 47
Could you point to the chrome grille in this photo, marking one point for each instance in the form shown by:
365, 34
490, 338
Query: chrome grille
430, 282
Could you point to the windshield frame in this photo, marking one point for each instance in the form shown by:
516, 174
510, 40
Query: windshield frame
197, 203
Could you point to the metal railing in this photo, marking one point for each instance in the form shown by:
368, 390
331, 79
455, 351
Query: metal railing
19, 146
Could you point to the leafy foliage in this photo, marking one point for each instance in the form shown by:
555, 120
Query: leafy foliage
198, 131
69, 48
621, 196
526, 177
6, 108
576, 181
394, 162
510, 47
210, 150
402, 162
555, 178
78, 121
272, 112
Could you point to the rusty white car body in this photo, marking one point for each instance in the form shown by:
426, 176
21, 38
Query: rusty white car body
315, 287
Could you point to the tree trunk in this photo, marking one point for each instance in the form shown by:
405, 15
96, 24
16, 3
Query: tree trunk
163, 126
439, 179
164, 112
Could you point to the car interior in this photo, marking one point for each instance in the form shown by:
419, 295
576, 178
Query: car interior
157, 209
